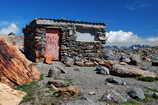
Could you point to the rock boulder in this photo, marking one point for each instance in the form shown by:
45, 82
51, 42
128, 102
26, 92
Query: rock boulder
130, 71
135, 60
136, 93
15, 69
68, 61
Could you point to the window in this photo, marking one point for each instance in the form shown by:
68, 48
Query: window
86, 34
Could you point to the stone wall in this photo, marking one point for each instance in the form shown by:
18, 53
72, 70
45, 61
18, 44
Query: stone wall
35, 43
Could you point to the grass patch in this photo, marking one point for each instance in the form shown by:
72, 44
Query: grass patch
155, 93
131, 102
39, 94
41, 77
28, 88
147, 79
152, 89
68, 82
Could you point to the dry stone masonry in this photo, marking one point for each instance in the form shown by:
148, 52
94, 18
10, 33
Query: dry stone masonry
69, 31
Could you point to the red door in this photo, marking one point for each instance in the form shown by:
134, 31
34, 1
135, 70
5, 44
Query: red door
52, 45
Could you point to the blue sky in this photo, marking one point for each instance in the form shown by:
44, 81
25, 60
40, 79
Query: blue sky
136, 16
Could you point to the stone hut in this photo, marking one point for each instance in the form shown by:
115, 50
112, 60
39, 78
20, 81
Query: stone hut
55, 39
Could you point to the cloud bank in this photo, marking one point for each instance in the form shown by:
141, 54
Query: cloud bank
7, 27
122, 38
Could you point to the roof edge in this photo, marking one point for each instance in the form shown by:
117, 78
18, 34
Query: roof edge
70, 21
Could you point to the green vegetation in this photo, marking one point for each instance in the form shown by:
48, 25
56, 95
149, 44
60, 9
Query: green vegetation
131, 102
152, 89
39, 94
147, 79
29, 89
41, 77
68, 82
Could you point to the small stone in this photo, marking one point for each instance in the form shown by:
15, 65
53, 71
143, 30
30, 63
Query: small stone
112, 95
68, 61
144, 68
84, 100
136, 93
150, 93
116, 80
92, 93
123, 63
50, 73
80, 63
76, 69
155, 94
125, 59
102, 70
57, 83
89, 63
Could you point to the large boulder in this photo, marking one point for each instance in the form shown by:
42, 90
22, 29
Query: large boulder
9, 96
130, 71
54, 72
15, 69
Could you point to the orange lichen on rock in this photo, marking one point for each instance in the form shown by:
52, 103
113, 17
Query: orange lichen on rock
15, 69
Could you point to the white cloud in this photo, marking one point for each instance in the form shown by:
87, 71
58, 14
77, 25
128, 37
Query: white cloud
122, 38
152, 41
9, 27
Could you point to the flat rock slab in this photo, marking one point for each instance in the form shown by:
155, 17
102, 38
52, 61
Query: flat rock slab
9, 96
130, 71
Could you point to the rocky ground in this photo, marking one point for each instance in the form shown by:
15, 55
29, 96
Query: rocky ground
120, 78
96, 89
